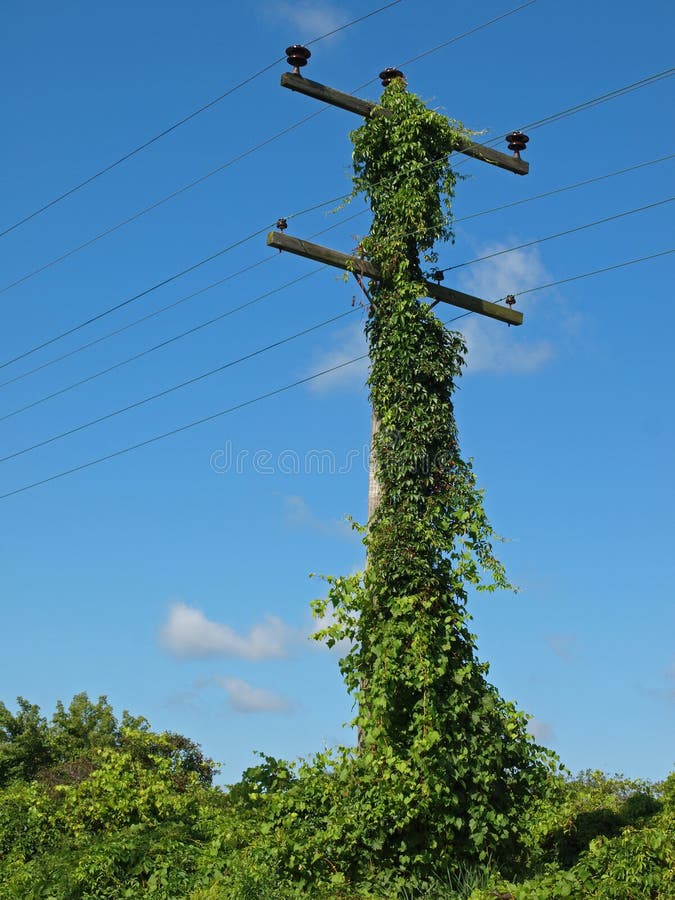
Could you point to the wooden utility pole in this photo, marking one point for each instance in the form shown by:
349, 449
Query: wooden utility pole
297, 57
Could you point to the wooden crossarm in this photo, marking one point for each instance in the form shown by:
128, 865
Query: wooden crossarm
366, 108
369, 270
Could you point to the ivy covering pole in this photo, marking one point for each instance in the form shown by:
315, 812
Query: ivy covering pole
445, 769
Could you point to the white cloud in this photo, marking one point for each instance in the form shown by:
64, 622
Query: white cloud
185, 700
563, 645
341, 648
245, 698
541, 731
190, 635
308, 18
347, 344
509, 273
491, 349
492, 346
299, 515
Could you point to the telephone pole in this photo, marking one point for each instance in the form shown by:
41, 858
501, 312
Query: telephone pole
297, 57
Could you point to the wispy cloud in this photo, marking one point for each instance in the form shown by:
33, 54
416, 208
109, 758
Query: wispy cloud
509, 273
185, 700
346, 344
563, 645
341, 648
307, 18
541, 731
245, 698
299, 515
491, 346
661, 693
490, 349
189, 634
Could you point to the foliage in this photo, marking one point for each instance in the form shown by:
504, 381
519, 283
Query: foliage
24, 742
446, 768
577, 811
601, 837
65, 749
140, 821
447, 795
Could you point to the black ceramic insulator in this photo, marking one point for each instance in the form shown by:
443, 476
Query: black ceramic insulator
517, 141
297, 56
388, 75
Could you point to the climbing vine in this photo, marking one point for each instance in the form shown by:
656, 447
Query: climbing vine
451, 757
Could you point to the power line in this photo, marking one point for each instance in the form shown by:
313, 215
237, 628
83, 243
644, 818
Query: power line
182, 428
595, 101
180, 122
603, 98
176, 387
288, 387
581, 107
129, 325
453, 40
235, 159
145, 318
160, 345
551, 237
630, 262
288, 284
533, 197
138, 296
144, 293
550, 284
568, 187
158, 203
569, 111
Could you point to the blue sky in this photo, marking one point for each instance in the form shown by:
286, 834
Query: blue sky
174, 579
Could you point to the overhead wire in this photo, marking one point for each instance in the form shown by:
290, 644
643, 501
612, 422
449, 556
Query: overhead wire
162, 309
108, 231
622, 265
159, 346
453, 40
645, 82
569, 111
129, 325
550, 284
561, 190
190, 381
144, 293
184, 120
547, 120
559, 234
193, 424
603, 98
185, 427
257, 233
220, 281
235, 159
175, 303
